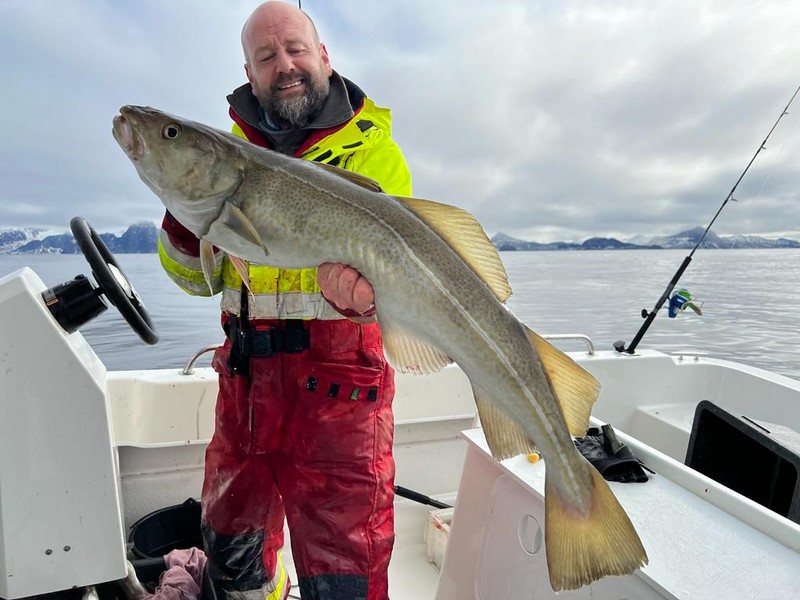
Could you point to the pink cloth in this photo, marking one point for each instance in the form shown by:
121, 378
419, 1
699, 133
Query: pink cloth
183, 579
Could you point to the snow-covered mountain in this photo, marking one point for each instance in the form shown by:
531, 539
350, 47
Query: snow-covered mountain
140, 238
684, 240
690, 237
13, 238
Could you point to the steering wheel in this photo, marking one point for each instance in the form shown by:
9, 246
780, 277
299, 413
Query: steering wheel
112, 281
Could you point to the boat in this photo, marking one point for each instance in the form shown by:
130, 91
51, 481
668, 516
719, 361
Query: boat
89, 456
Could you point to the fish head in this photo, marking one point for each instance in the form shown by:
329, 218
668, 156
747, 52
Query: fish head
194, 169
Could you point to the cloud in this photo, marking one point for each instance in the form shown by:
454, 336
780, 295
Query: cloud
547, 120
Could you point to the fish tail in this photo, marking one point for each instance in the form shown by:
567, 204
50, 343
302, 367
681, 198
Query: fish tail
584, 546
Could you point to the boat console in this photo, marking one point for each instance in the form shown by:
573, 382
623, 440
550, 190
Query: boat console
60, 523
60, 514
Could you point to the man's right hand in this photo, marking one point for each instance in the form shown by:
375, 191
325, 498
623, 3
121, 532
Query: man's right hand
345, 288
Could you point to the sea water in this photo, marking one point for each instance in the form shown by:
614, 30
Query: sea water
750, 301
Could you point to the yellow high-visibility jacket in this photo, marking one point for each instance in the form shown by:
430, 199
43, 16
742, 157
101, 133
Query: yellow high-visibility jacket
364, 145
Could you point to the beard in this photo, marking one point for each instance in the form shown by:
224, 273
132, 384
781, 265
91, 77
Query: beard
296, 111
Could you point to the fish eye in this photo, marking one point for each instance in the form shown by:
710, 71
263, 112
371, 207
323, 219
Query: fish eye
171, 131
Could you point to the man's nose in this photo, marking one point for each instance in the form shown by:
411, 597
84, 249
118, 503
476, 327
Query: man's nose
285, 62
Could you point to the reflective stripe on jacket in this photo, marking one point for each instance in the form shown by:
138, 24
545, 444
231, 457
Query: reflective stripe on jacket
364, 145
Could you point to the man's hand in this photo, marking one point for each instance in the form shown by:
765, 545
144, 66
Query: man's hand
345, 288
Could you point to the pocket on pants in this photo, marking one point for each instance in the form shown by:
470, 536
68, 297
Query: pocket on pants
344, 412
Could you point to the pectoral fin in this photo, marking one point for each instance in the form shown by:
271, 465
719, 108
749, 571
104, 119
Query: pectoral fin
237, 221
575, 389
462, 232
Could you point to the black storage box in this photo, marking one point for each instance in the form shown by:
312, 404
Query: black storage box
758, 460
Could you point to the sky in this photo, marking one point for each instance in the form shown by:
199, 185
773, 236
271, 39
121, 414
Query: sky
549, 120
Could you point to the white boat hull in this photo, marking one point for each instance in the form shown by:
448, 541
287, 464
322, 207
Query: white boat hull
84, 454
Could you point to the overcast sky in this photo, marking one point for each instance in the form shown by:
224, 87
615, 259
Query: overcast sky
549, 120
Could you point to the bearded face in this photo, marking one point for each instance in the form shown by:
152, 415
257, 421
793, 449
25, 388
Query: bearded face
293, 99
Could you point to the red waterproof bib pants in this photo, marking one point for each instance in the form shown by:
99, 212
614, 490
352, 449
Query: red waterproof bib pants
308, 436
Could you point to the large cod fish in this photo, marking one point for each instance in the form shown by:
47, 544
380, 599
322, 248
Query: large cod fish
439, 292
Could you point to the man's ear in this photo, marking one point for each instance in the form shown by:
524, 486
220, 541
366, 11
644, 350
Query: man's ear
325, 59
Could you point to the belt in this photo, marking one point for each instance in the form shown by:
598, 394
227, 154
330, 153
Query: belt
253, 342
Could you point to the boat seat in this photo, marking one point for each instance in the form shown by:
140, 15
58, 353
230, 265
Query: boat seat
665, 427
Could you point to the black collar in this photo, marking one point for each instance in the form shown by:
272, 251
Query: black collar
344, 99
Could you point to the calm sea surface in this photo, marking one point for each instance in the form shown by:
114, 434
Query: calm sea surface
751, 304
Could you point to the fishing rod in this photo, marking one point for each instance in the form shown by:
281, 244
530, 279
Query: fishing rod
649, 317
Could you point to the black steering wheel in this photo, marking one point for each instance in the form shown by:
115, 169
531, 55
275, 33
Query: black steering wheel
112, 281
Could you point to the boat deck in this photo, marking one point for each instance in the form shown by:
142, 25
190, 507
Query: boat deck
411, 575
161, 454
736, 535
698, 546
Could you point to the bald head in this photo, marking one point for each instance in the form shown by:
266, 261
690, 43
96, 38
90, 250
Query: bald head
287, 66
276, 16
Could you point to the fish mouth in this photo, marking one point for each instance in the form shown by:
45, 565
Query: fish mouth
130, 141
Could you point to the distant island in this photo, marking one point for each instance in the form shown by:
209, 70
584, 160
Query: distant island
683, 240
142, 238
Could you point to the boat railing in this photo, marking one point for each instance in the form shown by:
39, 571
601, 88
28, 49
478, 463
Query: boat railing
189, 368
572, 336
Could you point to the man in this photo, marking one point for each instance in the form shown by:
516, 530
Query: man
303, 418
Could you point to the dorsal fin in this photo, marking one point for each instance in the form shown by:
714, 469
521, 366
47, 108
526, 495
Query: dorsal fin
575, 389
457, 227
352, 177
462, 232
